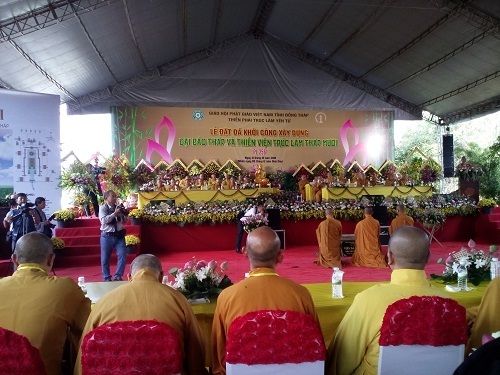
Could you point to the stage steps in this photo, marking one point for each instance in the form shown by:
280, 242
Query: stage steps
82, 246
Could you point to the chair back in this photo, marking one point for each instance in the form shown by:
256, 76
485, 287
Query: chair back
132, 347
422, 335
274, 342
18, 356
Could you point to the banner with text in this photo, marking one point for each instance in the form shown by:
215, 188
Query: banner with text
277, 139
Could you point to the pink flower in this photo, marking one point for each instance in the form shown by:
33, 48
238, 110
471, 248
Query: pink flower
212, 264
449, 260
224, 266
471, 244
201, 264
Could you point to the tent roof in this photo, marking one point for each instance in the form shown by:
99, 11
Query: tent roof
439, 56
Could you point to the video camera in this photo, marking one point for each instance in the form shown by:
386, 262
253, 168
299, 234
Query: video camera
25, 207
122, 209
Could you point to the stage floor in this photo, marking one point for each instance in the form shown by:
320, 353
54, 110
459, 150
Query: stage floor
298, 264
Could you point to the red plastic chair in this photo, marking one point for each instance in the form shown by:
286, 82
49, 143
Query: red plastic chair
18, 356
132, 347
275, 341
422, 335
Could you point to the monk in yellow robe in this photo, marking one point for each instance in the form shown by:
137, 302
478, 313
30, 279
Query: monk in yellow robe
328, 234
484, 317
302, 186
367, 243
260, 177
401, 220
227, 183
212, 182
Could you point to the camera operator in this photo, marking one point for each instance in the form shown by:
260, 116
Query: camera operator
22, 218
112, 218
96, 171
44, 226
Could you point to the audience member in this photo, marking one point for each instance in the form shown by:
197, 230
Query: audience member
367, 242
355, 348
43, 308
112, 218
484, 319
146, 298
328, 234
264, 289
401, 220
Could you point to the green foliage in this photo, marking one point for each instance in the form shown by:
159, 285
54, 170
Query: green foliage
489, 161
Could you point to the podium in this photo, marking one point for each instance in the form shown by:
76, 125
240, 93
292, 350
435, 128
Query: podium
469, 188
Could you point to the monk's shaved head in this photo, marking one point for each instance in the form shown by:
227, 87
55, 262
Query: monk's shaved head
263, 247
146, 261
409, 247
34, 247
401, 208
368, 210
328, 212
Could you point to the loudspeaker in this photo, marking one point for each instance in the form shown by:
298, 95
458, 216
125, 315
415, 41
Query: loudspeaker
448, 159
273, 215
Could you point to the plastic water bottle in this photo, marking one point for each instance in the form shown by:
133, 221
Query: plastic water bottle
337, 283
462, 275
82, 285
494, 268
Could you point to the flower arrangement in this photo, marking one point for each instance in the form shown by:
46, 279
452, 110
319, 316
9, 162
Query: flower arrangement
477, 262
64, 215
468, 171
432, 216
253, 222
200, 279
58, 243
136, 213
131, 239
487, 202
77, 177
117, 175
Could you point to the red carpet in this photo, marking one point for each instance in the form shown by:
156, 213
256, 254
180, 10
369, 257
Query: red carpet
297, 265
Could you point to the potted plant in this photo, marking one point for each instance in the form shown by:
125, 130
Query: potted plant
432, 217
486, 205
136, 215
131, 241
64, 217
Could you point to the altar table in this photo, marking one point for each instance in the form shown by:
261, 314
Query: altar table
393, 191
330, 311
183, 196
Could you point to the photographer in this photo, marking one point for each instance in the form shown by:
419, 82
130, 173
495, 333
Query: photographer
44, 226
112, 218
95, 171
21, 218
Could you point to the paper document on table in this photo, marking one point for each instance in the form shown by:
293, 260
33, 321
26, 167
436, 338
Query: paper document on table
95, 290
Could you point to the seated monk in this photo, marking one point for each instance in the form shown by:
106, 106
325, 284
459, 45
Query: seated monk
401, 220
260, 177
328, 234
317, 187
367, 243
302, 186
212, 182
227, 183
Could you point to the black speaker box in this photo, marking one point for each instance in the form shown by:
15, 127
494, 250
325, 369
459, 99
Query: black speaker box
273, 215
448, 158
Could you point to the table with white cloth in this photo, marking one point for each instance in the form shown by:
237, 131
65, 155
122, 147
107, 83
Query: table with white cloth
183, 196
330, 310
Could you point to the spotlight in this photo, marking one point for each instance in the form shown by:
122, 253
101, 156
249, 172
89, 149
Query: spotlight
447, 128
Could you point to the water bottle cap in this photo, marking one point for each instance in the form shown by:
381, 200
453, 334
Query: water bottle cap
81, 279
494, 259
335, 268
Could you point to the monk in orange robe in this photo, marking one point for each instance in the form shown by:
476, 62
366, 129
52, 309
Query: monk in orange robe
302, 186
328, 234
401, 220
317, 186
367, 243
